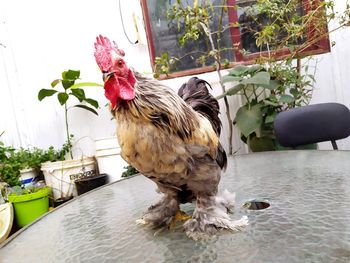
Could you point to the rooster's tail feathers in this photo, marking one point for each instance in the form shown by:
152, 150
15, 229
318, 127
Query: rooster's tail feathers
196, 94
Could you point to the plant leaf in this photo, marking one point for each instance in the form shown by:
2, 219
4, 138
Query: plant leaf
260, 78
86, 84
86, 108
268, 102
248, 120
238, 70
92, 102
45, 93
255, 68
270, 118
55, 82
71, 74
232, 91
67, 83
62, 97
287, 98
274, 84
79, 94
261, 144
229, 78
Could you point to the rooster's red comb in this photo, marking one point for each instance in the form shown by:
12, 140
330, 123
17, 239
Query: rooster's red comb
104, 50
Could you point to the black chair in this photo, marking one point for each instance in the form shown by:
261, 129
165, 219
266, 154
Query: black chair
312, 124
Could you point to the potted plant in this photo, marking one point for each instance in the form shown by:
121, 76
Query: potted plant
9, 166
278, 36
21, 166
29, 203
282, 80
266, 91
60, 175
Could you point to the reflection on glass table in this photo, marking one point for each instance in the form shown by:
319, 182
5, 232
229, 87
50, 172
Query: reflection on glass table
302, 214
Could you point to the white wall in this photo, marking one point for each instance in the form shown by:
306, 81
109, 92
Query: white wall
333, 73
39, 39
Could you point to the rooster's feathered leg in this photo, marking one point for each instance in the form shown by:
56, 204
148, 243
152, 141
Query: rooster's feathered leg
162, 213
211, 214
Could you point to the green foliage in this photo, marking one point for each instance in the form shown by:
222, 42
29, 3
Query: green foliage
194, 22
9, 167
266, 92
13, 160
270, 86
130, 170
293, 25
163, 64
18, 190
191, 17
70, 89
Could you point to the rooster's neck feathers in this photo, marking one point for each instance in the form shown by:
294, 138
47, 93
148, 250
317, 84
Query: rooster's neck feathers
160, 106
192, 115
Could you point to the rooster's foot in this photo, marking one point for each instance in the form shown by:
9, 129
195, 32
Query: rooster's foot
180, 216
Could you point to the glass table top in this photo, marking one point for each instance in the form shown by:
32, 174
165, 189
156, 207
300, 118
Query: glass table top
308, 219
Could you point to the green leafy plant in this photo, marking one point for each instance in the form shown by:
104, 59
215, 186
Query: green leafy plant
18, 190
130, 170
12, 161
274, 85
70, 89
9, 167
266, 92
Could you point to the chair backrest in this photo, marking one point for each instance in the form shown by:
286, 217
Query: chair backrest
312, 124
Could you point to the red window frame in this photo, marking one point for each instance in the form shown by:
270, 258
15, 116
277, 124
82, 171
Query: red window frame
319, 47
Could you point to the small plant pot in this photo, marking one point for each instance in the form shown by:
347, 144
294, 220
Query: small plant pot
29, 207
86, 184
60, 175
27, 177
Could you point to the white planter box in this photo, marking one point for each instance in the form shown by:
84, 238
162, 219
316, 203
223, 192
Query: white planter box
108, 158
60, 176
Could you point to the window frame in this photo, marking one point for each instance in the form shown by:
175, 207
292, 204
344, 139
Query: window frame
320, 47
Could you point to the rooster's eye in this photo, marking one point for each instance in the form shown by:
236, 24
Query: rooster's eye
120, 62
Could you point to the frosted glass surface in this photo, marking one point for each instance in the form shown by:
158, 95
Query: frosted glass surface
308, 219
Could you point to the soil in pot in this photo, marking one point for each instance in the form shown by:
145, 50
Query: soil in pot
86, 184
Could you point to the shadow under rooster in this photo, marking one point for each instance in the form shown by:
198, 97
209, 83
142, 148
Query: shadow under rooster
172, 139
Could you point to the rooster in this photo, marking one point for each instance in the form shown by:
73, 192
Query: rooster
172, 139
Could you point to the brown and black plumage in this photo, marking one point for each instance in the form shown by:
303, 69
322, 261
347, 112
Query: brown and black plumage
172, 139
196, 94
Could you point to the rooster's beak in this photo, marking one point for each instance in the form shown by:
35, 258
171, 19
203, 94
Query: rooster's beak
106, 76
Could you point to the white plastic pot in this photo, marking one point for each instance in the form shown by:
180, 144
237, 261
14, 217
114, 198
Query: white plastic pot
27, 176
60, 175
108, 158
